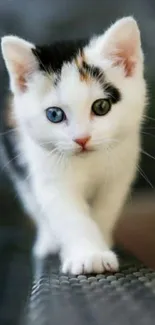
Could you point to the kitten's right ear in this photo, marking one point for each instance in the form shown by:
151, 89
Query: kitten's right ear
121, 45
20, 61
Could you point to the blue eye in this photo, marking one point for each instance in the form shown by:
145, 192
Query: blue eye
55, 114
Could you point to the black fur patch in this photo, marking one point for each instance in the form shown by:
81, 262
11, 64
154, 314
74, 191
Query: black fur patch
113, 92
52, 57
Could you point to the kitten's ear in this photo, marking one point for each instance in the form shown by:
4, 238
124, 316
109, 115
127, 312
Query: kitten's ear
20, 61
121, 43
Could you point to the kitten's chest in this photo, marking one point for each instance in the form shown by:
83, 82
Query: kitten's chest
86, 175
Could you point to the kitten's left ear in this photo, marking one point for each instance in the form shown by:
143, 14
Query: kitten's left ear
122, 45
20, 61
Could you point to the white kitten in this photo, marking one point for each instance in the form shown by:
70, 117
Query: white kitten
78, 107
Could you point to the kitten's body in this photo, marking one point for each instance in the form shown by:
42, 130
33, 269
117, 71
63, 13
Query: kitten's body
76, 196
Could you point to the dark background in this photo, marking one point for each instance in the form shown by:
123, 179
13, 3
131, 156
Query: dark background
44, 21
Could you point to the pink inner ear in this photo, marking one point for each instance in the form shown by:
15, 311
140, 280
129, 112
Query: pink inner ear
126, 57
21, 83
21, 73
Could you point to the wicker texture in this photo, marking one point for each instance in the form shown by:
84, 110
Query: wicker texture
127, 297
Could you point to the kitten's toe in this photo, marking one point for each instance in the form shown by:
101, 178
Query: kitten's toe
110, 261
72, 267
96, 262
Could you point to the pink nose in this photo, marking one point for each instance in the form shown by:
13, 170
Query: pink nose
82, 141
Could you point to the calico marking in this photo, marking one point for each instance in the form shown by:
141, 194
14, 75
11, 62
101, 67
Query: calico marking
51, 58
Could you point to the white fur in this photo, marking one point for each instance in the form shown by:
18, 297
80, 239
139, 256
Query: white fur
76, 198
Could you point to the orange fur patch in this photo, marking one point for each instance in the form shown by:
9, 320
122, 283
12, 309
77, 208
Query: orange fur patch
80, 59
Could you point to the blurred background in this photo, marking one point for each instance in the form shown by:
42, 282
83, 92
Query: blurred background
43, 22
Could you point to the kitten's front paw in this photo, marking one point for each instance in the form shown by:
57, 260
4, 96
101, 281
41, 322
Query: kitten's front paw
90, 262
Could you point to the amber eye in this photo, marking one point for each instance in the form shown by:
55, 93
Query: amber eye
55, 114
101, 107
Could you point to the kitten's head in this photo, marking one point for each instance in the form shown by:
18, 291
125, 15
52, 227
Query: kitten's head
78, 95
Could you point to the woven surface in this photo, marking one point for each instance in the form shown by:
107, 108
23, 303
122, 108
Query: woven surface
127, 297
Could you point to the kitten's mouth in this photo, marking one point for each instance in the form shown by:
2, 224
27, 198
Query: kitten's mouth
84, 151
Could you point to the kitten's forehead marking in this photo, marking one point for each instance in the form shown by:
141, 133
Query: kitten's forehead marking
90, 72
87, 72
52, 59
79, 61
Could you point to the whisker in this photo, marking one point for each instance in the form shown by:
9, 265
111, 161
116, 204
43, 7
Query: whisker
147, 154
52, 152
104, 141
144, 176
149, 128
9, 131
46, 142
60, 160
149, 118
64, 146
28, 177
8, 162
146, 133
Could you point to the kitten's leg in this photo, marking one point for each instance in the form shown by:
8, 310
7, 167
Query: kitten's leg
106, 209
45, 243
82, 247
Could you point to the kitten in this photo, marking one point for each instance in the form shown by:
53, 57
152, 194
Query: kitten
78, 109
